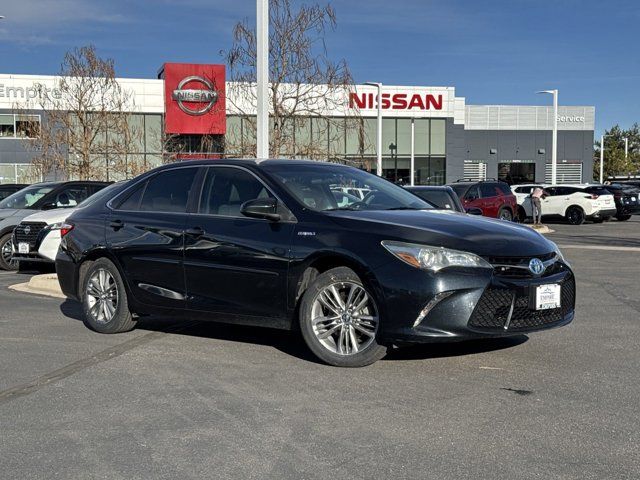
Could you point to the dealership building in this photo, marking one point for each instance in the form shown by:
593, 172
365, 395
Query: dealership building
430, 129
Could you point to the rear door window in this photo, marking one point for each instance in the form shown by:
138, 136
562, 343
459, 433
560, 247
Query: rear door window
168, 191
488, 190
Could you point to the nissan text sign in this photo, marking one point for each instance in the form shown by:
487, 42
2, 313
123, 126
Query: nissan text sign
405, 101
194, 98
396, 101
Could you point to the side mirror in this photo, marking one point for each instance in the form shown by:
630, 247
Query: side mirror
49, 206
474, 211
265, 208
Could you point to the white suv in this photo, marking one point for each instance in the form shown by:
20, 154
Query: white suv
575, 203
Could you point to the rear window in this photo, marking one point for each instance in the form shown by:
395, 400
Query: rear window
597, 191
437, 198
488, 190
504, 188
460, 189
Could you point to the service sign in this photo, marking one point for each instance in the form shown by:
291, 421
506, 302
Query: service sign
194, 99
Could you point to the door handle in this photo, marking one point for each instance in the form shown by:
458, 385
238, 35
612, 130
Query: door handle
116, 224
194, 232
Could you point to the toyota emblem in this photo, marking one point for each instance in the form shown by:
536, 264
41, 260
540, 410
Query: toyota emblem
206, 96
536, 266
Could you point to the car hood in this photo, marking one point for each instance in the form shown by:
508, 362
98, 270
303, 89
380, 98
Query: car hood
15, 214
50, 216
480, 235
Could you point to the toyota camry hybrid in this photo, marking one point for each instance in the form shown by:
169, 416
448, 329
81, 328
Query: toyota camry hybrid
265, 243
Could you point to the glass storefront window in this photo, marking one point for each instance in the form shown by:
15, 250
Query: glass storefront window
438, 129
421, 136
153, 133
6, 126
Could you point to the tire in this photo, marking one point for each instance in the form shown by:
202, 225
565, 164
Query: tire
505, 214
104, 299
575, 215
623, 218
522, 215
347, 337
5, 254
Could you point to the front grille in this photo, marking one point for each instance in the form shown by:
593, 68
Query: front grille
492, 310
28, 232
518, 267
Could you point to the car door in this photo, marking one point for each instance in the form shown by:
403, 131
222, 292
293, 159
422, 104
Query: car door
490, 199
472, 199
556, 202
145, 232
236, 265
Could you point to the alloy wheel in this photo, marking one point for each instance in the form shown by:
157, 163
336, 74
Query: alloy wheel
7, 255
102, 296
344, 318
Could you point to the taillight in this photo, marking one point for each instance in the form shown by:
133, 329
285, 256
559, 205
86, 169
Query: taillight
65, 228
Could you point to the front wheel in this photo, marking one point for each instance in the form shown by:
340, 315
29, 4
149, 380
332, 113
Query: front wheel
6, 254
339, 320
104, 299
575, 216
505, 214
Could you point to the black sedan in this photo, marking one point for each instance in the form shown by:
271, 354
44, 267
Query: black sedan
442, 197
265, 243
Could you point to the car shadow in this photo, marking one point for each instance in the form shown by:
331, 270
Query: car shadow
425, 351
292, 343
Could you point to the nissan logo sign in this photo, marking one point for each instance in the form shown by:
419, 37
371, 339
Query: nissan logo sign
186, 96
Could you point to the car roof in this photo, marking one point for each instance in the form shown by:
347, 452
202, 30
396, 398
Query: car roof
247, 162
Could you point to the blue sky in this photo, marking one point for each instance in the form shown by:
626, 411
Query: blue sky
493, 52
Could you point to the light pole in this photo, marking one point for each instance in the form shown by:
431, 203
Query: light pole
554, 137
626, 148
262, 78
379, 128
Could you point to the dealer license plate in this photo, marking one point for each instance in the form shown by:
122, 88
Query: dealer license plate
23, 247
548, 296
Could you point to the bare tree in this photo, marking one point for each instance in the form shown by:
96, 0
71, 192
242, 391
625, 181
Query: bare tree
88, 131
304, 84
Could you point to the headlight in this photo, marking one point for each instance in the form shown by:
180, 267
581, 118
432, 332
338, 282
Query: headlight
434, 258
558, 252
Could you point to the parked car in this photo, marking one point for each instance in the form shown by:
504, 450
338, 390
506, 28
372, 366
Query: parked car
523, 195
627, 200
574, 203
37, 237
40, 196
442, 197
264, 243
7, 189
493, 197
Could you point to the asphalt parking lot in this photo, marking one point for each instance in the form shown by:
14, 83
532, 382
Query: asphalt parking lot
195, 400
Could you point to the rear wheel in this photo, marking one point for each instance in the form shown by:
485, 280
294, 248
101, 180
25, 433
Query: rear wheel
522, 215
6, 254
575, 215
339, 320
104, 299
505, 214
623, 218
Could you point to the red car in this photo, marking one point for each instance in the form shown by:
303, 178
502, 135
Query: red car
493, 197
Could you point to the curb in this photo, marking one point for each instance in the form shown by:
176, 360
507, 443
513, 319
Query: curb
539, 228
46, 285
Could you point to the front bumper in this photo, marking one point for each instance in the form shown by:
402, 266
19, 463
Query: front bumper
482, 304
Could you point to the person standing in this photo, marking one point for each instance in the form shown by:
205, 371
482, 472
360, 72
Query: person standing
536, 199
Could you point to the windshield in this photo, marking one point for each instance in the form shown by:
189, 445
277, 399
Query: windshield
26, 197
325, 188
